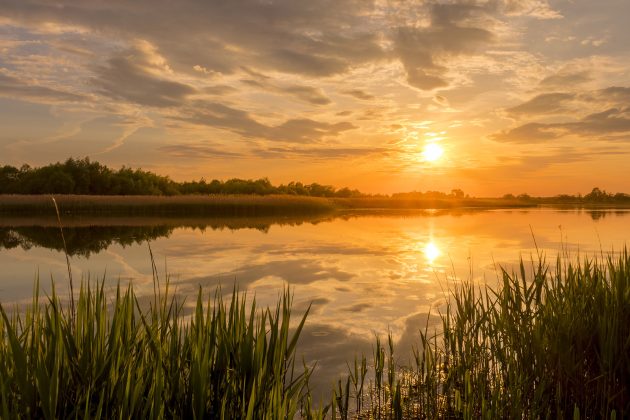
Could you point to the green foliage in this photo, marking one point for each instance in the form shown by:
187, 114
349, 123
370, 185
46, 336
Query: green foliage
596, 196
545, 344
552, 342
430, 195
84, 177
120, 360
181, 205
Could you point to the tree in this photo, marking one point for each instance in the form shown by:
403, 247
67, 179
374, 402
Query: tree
457, 193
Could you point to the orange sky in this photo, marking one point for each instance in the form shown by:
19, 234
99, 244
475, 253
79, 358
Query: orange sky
520, 95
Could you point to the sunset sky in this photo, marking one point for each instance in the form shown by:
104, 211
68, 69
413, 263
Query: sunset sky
493, 97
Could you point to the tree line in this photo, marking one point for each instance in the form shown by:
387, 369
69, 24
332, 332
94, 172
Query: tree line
596, 195
86, 177
430, 195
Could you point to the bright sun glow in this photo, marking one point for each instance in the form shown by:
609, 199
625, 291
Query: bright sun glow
432, 152
431, 251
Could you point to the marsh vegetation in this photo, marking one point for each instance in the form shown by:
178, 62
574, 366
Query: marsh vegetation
549, 341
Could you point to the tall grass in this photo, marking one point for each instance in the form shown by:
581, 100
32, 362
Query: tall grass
231, 205
199, 205
115, 359
553, 343
550, 342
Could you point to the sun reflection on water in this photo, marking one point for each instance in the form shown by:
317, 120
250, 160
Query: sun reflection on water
431, 251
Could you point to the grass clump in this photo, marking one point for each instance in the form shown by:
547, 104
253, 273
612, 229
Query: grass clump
550, 343
113, 359
180, 205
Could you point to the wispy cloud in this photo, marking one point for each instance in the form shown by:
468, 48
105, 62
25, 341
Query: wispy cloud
609, 117
124, 78
14, 87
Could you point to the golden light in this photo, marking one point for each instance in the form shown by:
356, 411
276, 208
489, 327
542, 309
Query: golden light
431, 252
432, 152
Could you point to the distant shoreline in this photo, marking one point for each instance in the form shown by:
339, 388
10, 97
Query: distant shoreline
257, 205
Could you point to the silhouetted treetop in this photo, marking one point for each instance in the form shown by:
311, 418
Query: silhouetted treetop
83, 176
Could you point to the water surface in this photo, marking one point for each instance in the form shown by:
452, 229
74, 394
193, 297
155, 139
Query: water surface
363, 273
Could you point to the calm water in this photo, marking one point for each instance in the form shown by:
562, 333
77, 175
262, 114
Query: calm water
363, 274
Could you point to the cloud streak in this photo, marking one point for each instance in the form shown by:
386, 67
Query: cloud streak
14, 87
609, 117
123, 78
299, 130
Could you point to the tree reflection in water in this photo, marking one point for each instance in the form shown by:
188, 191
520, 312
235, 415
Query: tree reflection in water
87, 236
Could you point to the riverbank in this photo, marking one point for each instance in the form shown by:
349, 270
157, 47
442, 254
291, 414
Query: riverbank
231, 205
188, 205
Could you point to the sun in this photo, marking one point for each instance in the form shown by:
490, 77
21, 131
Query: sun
432, 152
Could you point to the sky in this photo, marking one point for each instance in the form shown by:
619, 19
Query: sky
492, 96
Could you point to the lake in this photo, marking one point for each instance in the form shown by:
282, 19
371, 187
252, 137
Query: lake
363, 273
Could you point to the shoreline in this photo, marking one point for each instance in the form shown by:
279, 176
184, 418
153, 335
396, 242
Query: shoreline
262, 205
232, 205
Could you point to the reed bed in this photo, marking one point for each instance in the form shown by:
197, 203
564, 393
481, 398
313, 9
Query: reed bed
211, 205
548, 342
230, 205
355, 203
553, 342
114, 359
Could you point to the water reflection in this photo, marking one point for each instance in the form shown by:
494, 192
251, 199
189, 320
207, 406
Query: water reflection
80, 241
87, 236
363, 272
431, 252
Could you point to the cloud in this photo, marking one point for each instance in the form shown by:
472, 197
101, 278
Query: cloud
294, 61
268, 73
283, 35
211, 151
218, 90
298, 130
309, 94
425, 51
359, 94
543, 104
535, 8
320, 38
440, 100
217, 115
126, 77
304, 130
605, 116
531, 165
615, 94
612, 124
527, 133
325, 153
198, 151
26, 90
609, 122
565, 80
